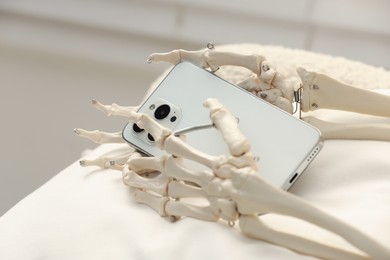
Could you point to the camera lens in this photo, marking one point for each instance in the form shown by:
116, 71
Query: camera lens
162, 112
137, 129
150, 137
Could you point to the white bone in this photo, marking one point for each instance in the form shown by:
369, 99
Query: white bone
253, 227
179, 208
174, 169
102, 162
157, 184
321, 91
224, 121
224, 208
147, 164
113, 109
99, 137
329, 130
159, 132
210, 58
152, 200
181, 190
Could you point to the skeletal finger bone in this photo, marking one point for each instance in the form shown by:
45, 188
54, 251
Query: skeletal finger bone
224, 121
100, 137
102, 162
113, 109
212, 59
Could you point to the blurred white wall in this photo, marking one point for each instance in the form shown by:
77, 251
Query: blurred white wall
57, 55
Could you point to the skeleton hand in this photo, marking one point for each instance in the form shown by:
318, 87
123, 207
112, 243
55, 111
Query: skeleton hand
231, 187
264, 82
316, 91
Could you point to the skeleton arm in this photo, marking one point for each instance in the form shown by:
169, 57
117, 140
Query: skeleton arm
318, 91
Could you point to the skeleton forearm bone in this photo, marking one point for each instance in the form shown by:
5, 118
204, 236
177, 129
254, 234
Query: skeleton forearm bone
321, 91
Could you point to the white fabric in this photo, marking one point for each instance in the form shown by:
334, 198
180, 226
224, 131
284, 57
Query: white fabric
87, 213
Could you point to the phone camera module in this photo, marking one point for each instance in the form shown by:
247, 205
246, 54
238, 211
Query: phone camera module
173, 119
162, 112
137, 129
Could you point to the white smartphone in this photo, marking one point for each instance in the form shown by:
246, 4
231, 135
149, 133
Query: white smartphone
283, 144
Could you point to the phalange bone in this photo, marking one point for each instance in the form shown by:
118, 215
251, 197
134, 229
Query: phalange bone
174, 169
177, 56
147, 164
113, 109
154, 201
100, 137
237, 143
181, 190
357, 131
102, 162
333, 94
253, 62
253, 227
157, 184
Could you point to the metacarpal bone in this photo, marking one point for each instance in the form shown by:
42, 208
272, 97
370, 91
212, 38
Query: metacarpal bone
175, 169
157, 184
154, 201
